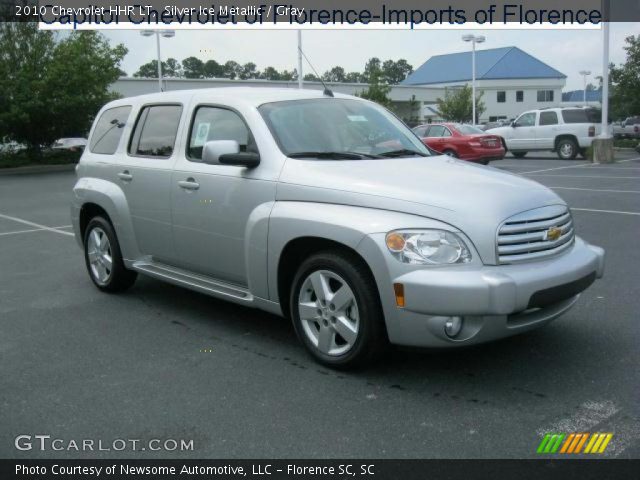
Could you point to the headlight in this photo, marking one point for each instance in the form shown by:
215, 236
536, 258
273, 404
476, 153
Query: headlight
428, 247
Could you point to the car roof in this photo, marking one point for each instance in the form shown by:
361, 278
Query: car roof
255, 96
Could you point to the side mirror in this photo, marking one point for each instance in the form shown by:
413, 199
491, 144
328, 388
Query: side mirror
213, 150
240, 159
514, 124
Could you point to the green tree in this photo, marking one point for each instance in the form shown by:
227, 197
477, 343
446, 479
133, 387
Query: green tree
212, 69
232, 70
249, 71
310, 77
377, 92
336, 74
352, 77
373, 68
193, 67
456, 105
395, 72
50, 90
625, 81
270, 73
171, 68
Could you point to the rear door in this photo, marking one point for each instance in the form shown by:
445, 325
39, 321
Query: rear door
145, 177
547, 130
524, 133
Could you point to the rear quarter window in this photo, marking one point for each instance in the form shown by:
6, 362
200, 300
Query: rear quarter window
108, 131
579, 115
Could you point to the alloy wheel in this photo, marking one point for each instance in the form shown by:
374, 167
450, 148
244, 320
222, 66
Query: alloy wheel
99, 254
329, 312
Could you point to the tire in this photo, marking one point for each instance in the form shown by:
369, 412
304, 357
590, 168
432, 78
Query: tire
582, 152
450, 153
100, 245
519, 154
321, 325
567, 149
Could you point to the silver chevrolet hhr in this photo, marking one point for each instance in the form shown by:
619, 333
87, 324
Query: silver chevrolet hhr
328, 210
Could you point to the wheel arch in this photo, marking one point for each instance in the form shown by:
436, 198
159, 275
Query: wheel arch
564, 136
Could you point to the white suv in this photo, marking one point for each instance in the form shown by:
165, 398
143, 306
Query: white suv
567, 131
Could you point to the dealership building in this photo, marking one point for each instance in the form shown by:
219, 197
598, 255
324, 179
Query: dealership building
511, 81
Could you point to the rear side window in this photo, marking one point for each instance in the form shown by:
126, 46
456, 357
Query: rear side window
214, 123
436, 131
155, 131
420, 131
548, 118
106, 135
575, 116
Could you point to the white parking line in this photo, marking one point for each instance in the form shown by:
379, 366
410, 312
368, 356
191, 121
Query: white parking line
581, 176
37, 225
557, 168
581, 165
604, 211
32, 230
595, 189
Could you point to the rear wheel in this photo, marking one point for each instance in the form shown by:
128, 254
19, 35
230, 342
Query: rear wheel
103, 258
450, 153
567, 149
336, 311
519, 154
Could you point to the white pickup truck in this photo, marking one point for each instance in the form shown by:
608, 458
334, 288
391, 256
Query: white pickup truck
630, 128
566, 131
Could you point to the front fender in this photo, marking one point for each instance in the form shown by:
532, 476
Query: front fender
344, 224
112, 200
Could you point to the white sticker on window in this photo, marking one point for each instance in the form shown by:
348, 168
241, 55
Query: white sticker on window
357, 118
202, 132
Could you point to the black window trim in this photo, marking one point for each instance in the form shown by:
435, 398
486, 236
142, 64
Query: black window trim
141, 110
521, 92
121, 135
193, 119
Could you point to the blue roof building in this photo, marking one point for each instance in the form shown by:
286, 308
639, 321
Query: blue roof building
506, 63
509, 80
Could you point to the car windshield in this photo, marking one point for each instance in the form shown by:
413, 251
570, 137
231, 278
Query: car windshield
339, 129
468, 129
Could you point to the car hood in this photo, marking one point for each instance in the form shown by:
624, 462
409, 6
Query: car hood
473, 198
502, 131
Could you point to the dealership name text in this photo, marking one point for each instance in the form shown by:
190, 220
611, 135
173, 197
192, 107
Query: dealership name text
45, 442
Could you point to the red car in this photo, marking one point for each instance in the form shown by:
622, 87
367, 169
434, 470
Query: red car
462, 141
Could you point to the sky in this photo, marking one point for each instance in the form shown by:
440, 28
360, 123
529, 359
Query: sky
568, 51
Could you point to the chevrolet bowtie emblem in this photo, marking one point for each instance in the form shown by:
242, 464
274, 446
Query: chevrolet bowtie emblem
553, 234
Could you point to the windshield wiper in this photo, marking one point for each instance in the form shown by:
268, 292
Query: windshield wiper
403, 152
332, 155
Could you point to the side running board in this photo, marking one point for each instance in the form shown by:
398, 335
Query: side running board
200, 283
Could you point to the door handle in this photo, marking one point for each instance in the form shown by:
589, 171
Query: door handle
189, 184
125, 176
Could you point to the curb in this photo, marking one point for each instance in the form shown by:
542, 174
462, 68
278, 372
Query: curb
38, 169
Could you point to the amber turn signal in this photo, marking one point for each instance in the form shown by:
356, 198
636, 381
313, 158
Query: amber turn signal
398, 289
395, 242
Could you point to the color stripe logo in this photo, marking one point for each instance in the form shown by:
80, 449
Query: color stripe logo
574, 443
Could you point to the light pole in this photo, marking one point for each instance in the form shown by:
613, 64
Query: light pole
585, 74
300, 59
158, 34
473, 39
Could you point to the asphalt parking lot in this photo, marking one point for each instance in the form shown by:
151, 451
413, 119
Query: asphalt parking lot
162, 362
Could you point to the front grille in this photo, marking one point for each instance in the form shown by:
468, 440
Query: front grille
524, 237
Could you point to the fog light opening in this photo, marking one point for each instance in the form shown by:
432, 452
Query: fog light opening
453, 326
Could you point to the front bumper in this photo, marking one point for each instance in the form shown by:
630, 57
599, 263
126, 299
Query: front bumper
493, 301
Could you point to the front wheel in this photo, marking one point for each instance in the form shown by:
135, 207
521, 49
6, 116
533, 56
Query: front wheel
336, 311
104, 259
519, 154
450, 153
